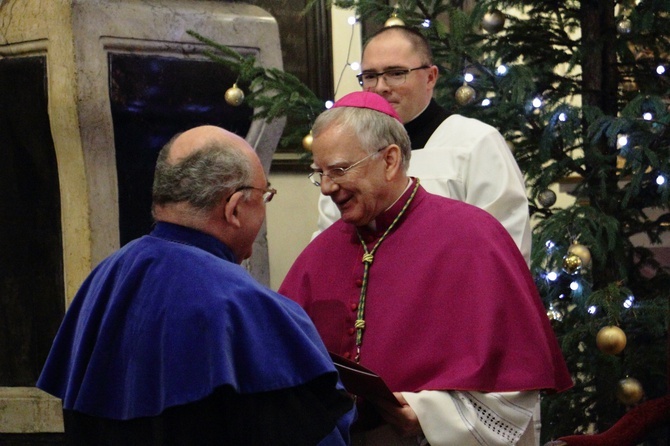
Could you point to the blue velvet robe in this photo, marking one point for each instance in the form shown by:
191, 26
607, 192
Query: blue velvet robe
170, 323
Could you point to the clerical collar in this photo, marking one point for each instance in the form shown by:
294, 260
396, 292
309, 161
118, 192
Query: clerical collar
384, 220
421, 128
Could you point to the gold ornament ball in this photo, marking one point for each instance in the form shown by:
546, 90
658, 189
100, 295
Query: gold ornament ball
465, 94
611, 340
307, 142
629, 391
572, 263
493, 21
394, 20
234, 96
581, 251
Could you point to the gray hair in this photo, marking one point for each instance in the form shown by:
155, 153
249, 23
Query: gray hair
202, 178
373, 129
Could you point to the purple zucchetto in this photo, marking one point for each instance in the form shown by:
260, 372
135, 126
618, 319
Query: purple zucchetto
369, 100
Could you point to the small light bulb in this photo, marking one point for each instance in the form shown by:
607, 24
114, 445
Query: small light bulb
628, 302
574, 286
562, 117
355, 66
660, 180
329, 104
561, 296
552, 276
621, 141
426, 23
468, 77
592, 309
501, 70
648, 116
660, 69
352, 20
549, 244
486, 102
537, 102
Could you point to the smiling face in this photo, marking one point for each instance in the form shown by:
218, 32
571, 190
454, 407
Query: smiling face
390, 50
361, 194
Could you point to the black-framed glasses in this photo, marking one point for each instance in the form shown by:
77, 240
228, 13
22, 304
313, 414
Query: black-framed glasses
268, 192
336, 173
392, 77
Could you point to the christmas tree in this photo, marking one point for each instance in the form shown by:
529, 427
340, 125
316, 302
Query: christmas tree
580, 92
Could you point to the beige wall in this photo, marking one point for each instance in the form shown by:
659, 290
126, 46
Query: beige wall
292, 214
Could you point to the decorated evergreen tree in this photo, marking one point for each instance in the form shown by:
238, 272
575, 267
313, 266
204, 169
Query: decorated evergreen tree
580, 92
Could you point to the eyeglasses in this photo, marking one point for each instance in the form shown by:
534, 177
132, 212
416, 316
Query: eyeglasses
268, 193
336, 173
392, 77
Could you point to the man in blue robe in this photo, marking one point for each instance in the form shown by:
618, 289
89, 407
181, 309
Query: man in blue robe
170, 341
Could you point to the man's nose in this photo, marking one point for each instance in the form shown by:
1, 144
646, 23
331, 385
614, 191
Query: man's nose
381, 86
328, 186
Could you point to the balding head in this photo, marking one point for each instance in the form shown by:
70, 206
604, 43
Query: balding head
201, 166
190, 141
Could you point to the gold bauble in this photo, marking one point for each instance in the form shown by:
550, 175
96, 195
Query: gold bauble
307, 142
394, 20
465, 94
234, 96
581, 251
611, 340
629, 86
493, 21
572, 263
629, 391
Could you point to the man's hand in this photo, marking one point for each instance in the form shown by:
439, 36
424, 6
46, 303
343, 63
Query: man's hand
402, 419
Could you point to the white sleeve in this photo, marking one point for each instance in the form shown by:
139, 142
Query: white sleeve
474, 418
328, 214
495, 183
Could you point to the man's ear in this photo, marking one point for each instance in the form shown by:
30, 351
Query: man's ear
232, 209
392, 161
433, 73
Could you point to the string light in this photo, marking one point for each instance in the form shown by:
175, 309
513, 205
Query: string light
537, 102
562, 117
469, 77
486, 102
592, 309
574, 286
355, 66
329, 104
660, 69
621, 141
426, 23
629, 302
648, 116
552, 276
660, 180
549, 245
501, 70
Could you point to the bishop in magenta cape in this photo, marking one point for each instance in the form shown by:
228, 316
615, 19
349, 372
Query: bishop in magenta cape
450, 302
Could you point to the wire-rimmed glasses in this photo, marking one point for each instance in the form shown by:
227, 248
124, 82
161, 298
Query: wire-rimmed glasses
268, 192
336, 173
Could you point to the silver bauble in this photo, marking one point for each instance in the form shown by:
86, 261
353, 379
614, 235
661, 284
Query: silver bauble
493, 21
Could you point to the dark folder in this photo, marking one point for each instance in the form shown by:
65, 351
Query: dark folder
362, 381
